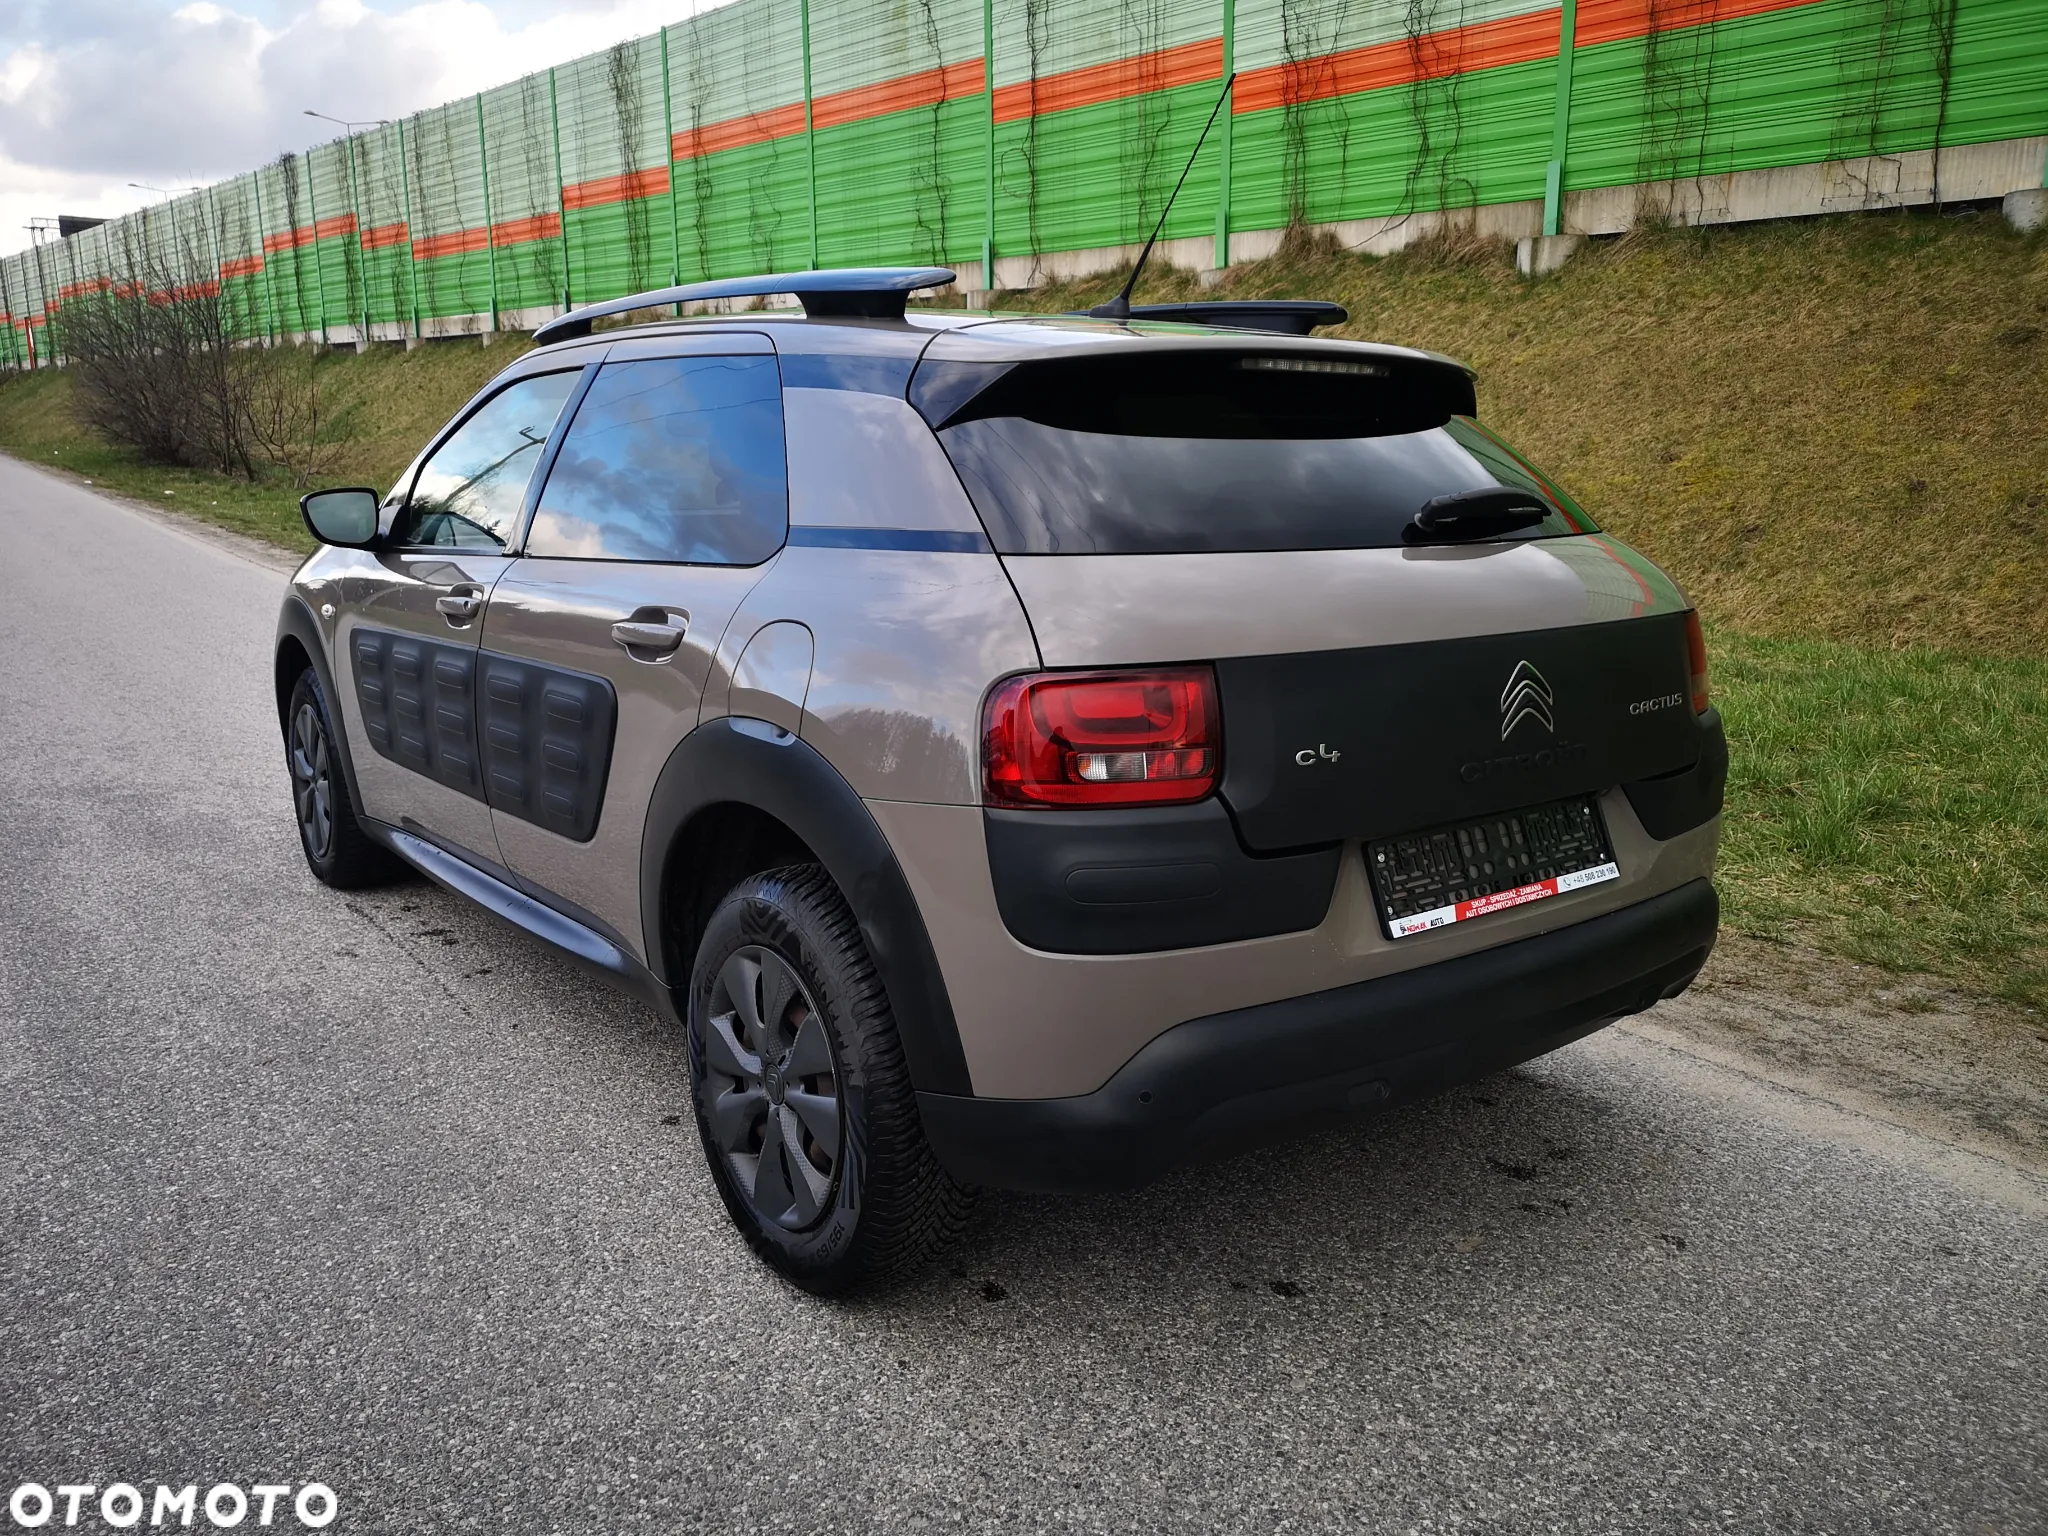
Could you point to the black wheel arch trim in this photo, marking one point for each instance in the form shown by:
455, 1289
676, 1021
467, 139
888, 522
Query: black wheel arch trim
734, 761
295, 621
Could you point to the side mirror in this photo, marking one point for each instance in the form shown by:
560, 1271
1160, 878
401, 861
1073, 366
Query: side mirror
347, 518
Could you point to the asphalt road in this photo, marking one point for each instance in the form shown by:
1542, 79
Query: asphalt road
368, 1190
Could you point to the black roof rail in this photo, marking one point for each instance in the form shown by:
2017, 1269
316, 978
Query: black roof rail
1290, 317
875, 293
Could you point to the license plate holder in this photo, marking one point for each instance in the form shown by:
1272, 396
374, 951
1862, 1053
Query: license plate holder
1469, 869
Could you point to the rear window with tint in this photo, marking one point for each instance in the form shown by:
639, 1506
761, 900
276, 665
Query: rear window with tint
1192, 453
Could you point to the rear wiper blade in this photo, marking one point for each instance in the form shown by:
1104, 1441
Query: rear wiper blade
1467, 515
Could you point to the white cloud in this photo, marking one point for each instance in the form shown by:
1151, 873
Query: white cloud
132, 92
18, 72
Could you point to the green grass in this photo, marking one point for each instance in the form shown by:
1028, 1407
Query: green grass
36, 424
1889, 806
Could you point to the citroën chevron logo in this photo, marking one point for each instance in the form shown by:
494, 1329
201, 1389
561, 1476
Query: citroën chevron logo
1526, 697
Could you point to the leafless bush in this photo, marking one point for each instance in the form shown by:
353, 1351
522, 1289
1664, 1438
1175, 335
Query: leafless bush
291, 422
1307, 242
166, 367
144, 373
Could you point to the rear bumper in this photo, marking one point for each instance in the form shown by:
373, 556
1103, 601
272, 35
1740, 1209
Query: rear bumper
1231, 1081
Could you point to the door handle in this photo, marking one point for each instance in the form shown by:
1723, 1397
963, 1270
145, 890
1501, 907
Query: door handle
459, 606
658, 640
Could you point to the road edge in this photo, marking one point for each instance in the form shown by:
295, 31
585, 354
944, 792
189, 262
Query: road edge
1844, 1117
255, 551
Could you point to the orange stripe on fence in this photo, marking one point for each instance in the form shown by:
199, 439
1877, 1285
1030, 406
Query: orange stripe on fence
241, 266
735, 132
1456, 50
542, 226
287, 240
456, 242
616, 189
462, 242
927, 88
1185, 65
1612, 21
340, 224
385, 234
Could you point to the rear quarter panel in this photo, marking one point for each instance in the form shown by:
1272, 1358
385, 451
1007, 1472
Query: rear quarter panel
905, 644
905, 639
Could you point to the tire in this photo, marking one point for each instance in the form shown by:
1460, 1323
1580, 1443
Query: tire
337, 849
803, 1099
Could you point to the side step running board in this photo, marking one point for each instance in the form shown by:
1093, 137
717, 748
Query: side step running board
579, 942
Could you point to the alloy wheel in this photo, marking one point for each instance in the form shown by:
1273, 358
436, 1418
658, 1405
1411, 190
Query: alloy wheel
312, 781
772, 1088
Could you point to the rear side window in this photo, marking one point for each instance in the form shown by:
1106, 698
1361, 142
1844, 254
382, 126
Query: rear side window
1190, 453
468, 494
670, 459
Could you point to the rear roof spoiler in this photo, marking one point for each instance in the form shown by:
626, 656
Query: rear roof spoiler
1290, 317
873, 293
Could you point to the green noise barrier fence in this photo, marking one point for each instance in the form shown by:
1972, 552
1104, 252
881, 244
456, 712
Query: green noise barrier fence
778, 134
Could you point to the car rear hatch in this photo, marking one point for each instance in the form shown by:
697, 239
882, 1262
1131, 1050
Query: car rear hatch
1380, 740
1572, 674
1251, 502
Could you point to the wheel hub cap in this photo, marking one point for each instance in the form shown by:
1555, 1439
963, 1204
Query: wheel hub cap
770, 1089
312, 781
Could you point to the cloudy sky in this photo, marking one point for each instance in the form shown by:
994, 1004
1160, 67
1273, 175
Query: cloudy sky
95, 94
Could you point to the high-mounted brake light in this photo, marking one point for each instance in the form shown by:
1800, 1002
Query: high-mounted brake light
1139, 737
1696, 653
1313, 365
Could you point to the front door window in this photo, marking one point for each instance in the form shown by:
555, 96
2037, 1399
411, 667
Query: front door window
469, 493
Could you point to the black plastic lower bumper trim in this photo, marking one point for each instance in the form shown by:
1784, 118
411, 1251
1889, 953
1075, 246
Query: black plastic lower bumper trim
1235, 1080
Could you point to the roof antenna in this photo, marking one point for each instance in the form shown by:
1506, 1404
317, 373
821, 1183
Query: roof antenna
1119, 308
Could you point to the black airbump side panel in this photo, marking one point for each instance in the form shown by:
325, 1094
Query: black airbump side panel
418, 699
547, 743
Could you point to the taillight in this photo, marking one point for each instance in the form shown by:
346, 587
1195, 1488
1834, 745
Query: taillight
1696, 655
1142, 737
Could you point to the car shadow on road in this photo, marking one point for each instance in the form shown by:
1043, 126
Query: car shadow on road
1535, 1166
1547, 1162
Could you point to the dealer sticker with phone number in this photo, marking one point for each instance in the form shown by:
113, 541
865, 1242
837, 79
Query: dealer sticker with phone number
1452, 875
